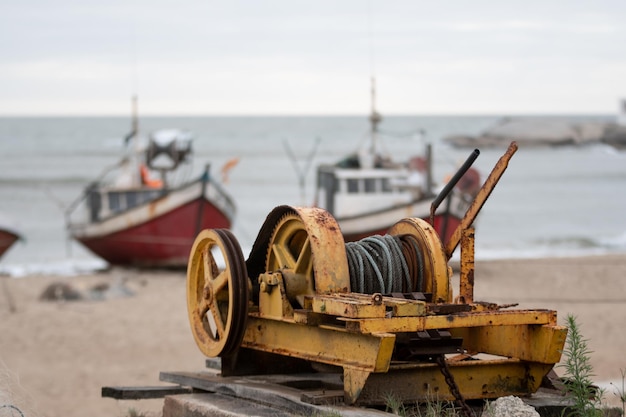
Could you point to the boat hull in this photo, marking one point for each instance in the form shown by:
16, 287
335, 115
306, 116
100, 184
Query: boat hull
7, 239
369, 201
444, 224
378, 223
161, 232
163, 241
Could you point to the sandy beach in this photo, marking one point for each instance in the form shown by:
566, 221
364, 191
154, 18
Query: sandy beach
55, 356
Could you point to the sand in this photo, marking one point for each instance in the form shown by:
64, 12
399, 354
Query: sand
55, 356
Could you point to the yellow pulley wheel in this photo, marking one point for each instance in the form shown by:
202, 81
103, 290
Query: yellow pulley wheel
436, 270
308, 248
217, 292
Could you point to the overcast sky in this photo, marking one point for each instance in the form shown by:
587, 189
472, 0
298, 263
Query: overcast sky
83, 57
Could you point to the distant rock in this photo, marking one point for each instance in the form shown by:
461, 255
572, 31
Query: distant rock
532, 132
64, 291
615, 135
60, 291
105, 291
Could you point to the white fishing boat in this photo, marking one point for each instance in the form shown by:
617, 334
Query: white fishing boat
368, 192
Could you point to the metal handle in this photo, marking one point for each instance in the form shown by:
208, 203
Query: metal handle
450, 185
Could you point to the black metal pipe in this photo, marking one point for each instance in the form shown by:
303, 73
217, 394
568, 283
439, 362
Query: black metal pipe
450, 185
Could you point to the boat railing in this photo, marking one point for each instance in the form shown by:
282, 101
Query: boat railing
117, 201
372, 181
103, 201
220, 195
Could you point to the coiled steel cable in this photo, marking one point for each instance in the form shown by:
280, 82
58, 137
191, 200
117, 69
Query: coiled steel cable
385, 264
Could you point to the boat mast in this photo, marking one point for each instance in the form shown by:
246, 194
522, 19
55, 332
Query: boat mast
375, 119
130, 163
135, 122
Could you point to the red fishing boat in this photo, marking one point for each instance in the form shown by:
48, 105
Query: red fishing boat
368, 192
8, 235
132, 217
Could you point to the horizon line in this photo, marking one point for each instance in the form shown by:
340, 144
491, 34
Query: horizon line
270, 115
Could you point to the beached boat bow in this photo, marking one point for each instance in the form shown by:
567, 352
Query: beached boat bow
137, 220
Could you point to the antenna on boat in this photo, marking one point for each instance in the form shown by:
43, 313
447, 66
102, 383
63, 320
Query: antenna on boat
375, 118
135, 110
135, 122
134, 127
302, 172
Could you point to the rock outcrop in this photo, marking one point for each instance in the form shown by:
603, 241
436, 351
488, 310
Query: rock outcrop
547, 132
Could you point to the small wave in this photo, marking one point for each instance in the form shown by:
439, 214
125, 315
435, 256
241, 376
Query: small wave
64, 268
537, 253
34, 182
609, 243
571, 242
611, 150
615, 242
555, 247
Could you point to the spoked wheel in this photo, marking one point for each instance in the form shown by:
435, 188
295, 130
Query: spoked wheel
308, 248
290, 252
217, 292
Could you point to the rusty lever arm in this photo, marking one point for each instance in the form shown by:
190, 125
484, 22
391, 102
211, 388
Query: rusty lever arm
481, 198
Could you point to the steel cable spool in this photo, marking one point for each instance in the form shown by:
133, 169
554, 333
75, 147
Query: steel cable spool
305, 247
385, 264
410, 258
415, 261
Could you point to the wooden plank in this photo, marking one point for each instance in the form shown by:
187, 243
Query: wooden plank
143, 393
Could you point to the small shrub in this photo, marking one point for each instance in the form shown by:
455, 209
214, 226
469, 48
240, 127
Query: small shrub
621, 392
431, 408
394, 405
578, 374
134, 413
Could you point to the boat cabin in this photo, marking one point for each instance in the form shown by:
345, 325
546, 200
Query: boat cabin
104, 202
348, 192
132, 183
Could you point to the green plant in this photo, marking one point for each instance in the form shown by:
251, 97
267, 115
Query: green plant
578, 374
438, 409
488, 410
621, 392
394, 405
431, 408
134, 413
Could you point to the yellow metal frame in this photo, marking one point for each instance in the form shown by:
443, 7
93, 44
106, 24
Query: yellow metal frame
361, 341
476, 379
306, 311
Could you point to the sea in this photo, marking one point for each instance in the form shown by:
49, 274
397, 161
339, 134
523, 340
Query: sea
550, 202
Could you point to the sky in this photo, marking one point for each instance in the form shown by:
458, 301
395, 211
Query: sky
297, 57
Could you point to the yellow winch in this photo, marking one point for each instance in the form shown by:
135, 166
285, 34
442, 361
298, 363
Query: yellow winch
381, 311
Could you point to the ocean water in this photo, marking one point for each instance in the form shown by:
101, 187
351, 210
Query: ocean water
550, 201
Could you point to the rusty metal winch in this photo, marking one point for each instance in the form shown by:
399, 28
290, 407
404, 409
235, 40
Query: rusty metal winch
381, 311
